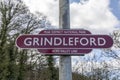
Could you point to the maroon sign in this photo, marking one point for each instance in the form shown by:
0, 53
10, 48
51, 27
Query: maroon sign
64, 42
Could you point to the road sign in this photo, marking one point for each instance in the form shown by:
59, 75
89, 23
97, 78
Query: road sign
71, 42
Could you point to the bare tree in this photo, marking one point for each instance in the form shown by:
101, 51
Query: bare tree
16, 19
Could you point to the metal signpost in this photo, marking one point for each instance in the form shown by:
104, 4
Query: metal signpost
65, 69
64, 41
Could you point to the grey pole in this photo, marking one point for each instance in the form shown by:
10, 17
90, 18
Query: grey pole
65, 70
64, 14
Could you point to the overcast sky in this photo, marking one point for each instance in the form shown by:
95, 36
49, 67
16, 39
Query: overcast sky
98, 16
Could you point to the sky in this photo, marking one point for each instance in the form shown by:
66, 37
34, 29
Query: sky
77, 1
115, 8
97, 16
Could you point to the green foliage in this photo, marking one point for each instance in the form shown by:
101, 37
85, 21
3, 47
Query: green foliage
4, 59
22, 64
51, 69
12, 67
78, 76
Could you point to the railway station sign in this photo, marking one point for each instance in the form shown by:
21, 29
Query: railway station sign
64, 42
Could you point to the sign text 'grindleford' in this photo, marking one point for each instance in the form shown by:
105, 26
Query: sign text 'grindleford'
64, 41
